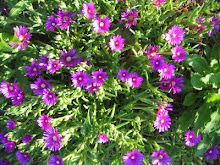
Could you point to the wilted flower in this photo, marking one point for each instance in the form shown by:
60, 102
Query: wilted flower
130, 17
116, 43
212, 153
49, 97
23, 158
175, 35
161, 157
164, 107
157, 63
89, 10
123, 75
53, 66
33, 70
8, 89
162, 122
44, 122
134, 80
9, 145
99, 76
152, 51
43, 61
55, 160
175, 83
191, 139
101, 25
39, 85
26, 139
103, 138
167, 71
179, 53
134, 157
23, 37
69, 59
11, 124
80, 79
51, 23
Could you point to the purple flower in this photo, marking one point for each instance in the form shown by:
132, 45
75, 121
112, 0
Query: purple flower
33, 70
123, 75
64, 18
134, 80
43, 61
179, 53
175, 84
18, 98
3, 138
23, 37
53, 66
101, 25
130, 17
99, 76
103, 138
26, 139
116, 43
191, 139
22, 157
51, 23
9, 145
152, 51
158, 3
161, 157
215, 21
164, 84
68, 59
44, 122
8, 89
89, 10
157, 63
212, 153
134, 157
55, 160
49, 97
167, 71
80, 79
164, 108
92, 87
11, 124
3, 162
39, 85
162, 122
175, 35
52, 139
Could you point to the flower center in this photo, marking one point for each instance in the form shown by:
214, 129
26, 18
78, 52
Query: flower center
43, 85
165, 70
174, 35
101, 24
190, 136
54, 138
162, 121
57, 162
100, 77
157, 63
53, 24
164, 84
116, 43
11, 88
68, 59
34, 69
161, 156
173, 83
133, 157
80, 78
50, 96
94, 84
130, 18
54, 65
210, 151
25, 156
21, 38
178, 53
65, 18
123, 74
89, 11
134, 79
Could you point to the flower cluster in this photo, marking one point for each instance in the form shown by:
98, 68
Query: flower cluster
7, 144
215, 21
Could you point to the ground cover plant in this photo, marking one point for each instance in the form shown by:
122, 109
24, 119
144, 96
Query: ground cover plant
109, 82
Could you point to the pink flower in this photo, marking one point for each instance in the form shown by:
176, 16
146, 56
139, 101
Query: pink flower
152, 51
191, 139
175, 35
116, 43
179, 53
130, 17
167, 71
103, 138
134, 80
89, 10
134, 157
101, 25
175, 84
162, 122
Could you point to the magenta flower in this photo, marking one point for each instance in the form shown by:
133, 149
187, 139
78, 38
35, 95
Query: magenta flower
212, 153
157, 63
175, 35
134, 157
11, 124
164, 84
3, 162
53, 66
158, 3
89, 10
130, 17
175, 84
164, 108
8, 89
101, 25
26, 139
134, 80
23, 37
22, 157
191, 139
9, 146
80, 79
43, 61
116, 43
39, 85
69, 59
99, 76
167, 71
52, 139
123, 75
92, 87
179, 53
103, 138
3, 138
161, 157
215, 21
49, 97
51, 23
152, 51
162, 122
33, 70
55, 160
44, 122
64, 18
18, 98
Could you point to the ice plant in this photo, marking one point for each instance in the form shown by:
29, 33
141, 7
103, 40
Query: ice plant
55, 160
134, 80
152, 51
79, 79
22, 157
11, 124
164, 108
160, 157
167, 71
103, 138
179, 53
9, 146
69, 59
191, 139
101, 25
33, 70
158, 3
175, 35
43, 61
8, 89
3, 138
44, 122
52, 139
3, 162
99, 76
134, 157
18, 98
39, 85
23, 36
212, 153
157, 63
130, 17
64, 18
51, 23
49, 97
164, 84
215, 21
26, 139
116, 43
123, 75
89, 10
92, 87
175, 83
162, 122
53, 66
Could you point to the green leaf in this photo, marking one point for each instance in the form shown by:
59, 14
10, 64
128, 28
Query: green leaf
190, 99
203, 146
3, 45
215, 80
216, 52
212, 98
196, 81
17, 9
